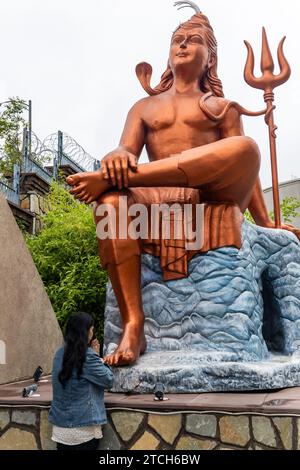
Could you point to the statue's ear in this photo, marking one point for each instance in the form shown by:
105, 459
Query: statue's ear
212, 60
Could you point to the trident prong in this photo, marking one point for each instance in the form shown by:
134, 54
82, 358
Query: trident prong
267, 82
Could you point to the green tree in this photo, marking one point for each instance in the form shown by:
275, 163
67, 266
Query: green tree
65, 253
289, 209
11, 124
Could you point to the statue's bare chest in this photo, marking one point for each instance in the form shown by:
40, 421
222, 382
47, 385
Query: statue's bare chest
175, 113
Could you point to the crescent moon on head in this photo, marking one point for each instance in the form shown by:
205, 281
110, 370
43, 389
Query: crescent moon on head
187, 4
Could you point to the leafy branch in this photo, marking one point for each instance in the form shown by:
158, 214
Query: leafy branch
11, 124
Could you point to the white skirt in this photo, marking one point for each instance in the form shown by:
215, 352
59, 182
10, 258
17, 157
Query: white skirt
76, 436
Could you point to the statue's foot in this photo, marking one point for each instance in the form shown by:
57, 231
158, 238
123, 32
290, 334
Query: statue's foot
132, 345
87, 187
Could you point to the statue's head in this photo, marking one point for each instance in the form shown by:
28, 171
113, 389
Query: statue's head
192, 42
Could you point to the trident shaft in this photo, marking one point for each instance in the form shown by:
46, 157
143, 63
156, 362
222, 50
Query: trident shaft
267, 82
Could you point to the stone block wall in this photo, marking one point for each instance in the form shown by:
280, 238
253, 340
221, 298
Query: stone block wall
37, 205
28, 429
25, 429
197, 431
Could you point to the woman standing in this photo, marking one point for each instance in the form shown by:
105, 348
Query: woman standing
79, 378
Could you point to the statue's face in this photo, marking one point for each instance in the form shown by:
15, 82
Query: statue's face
189, 47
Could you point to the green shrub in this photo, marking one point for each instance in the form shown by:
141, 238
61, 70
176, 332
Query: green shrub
289, 209
65, 253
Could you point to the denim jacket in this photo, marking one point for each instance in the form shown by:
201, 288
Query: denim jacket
81, 402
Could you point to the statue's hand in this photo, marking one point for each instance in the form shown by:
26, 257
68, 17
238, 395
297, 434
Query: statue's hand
288, 227
293, 229
115, 166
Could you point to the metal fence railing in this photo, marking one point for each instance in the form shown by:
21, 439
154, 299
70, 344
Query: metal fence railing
65, 161
33, 167
9, 192
44, 158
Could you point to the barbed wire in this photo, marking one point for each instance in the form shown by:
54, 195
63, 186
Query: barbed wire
71, 148
41, 152
43, 157
56, 145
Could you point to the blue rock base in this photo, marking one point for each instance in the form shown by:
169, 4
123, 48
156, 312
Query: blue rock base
232, 325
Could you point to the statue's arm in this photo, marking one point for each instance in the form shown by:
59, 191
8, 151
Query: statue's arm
116, 164
259, 212
257, 207
231, 126
133, 136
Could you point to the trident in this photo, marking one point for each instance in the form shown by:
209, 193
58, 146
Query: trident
267, 82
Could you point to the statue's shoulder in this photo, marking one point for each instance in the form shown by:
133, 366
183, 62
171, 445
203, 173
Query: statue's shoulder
141, 104
215, 104
218, 108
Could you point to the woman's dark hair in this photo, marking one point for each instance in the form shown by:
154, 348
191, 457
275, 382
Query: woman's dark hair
76, 344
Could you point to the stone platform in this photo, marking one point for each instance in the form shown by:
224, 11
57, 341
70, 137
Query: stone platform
233, 324
208, 421
181, 371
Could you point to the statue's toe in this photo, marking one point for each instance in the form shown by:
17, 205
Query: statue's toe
74, 179
80, 188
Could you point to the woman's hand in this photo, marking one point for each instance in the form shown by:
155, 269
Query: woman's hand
115, 166
95, 345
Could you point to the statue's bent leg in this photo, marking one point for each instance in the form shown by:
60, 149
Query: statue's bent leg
121, 257
225, 170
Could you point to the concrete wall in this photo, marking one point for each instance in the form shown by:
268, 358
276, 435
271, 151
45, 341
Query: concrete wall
29, 331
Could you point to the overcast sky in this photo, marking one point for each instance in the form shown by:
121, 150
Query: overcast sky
75, 59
